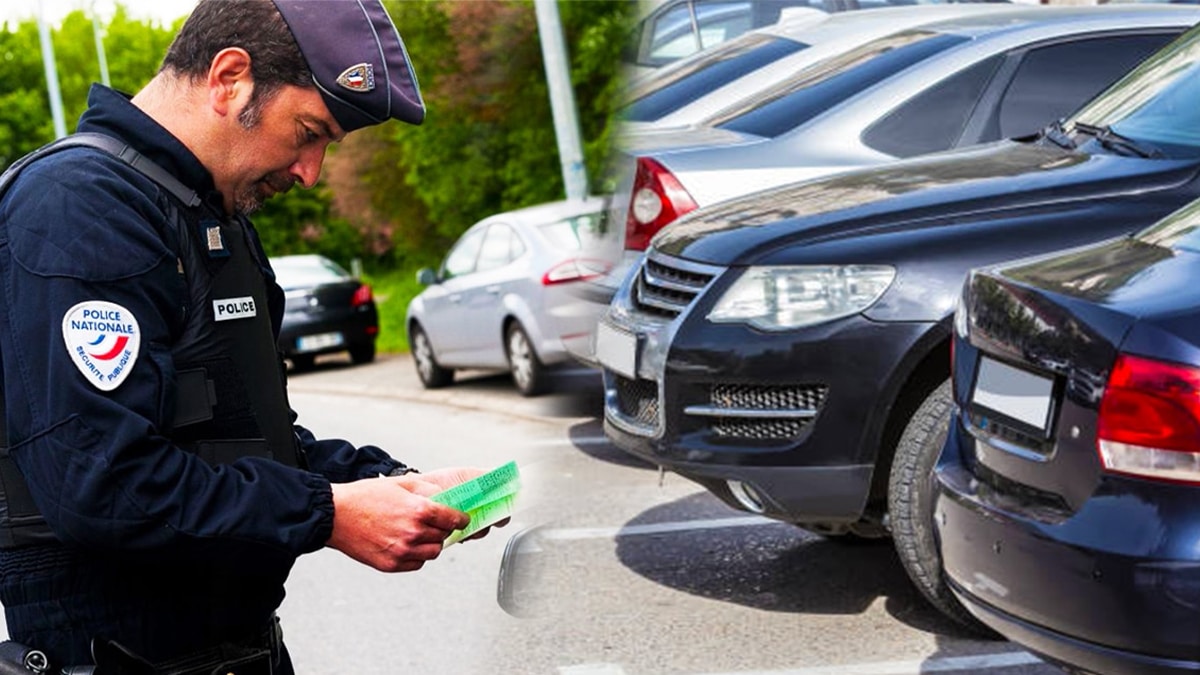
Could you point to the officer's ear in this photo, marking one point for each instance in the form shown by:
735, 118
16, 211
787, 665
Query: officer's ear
230, 83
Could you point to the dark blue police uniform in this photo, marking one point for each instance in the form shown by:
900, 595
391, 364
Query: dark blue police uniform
154, 545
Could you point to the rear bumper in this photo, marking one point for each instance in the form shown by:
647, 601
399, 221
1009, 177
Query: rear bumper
1112, 587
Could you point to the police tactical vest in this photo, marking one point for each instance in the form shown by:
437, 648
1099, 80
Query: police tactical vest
231, 397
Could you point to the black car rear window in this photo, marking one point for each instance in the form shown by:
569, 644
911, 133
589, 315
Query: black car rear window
674, 92
817, 89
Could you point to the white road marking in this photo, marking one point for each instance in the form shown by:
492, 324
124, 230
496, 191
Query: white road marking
971, 664
577, 533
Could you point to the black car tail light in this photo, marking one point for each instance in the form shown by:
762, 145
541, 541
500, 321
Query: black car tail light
657, 199
362, 296
1149, 422
575, 269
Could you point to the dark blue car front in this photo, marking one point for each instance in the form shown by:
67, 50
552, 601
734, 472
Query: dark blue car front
1067, 500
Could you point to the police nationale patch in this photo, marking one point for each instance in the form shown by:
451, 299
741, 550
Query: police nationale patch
103, 339
360, 78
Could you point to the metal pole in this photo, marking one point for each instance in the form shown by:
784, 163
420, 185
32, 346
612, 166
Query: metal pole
100, 47
562, 99
56, 107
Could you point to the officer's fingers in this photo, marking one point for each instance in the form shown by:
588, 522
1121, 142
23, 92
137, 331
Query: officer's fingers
417, 485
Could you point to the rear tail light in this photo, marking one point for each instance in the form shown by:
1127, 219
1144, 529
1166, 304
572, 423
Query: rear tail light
657, 199
362, 296
1149, 422
575, 269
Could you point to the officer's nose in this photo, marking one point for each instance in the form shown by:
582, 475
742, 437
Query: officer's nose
307, 169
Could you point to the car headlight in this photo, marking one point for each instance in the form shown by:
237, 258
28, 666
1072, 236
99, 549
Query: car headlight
782, 298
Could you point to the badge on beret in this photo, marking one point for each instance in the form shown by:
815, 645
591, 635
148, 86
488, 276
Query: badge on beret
360, 78
103, 340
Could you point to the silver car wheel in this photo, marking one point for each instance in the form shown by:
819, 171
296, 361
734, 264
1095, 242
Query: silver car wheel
520, 357
431, 373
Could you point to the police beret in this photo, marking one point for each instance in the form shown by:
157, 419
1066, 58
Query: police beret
357, 59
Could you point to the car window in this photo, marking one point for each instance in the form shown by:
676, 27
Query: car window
461, 259
728, 62
573, 234
304, 271
1156, 103
1053, 81
500, 247
817, 89
673, 35
936, 118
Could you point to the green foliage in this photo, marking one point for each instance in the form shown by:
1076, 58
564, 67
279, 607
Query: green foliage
393, 290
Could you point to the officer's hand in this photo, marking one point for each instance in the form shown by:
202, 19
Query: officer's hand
448, 478
390, 524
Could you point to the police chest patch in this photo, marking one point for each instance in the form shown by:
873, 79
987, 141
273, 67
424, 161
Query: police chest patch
234, 308
103, 339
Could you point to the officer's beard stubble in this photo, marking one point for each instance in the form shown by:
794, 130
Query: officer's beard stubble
252, 197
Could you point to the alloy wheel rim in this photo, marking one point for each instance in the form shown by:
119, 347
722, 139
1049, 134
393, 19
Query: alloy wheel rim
518, 355
424, 355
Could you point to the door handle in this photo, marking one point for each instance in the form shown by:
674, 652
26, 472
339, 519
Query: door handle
494, 290
456, 298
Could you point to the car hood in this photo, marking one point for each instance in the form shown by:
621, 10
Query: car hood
981, 183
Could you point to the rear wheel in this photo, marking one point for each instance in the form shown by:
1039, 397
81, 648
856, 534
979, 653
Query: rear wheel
432, 375
910, 505
363, 353
528, 373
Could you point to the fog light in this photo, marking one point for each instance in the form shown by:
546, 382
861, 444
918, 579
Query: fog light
746, 495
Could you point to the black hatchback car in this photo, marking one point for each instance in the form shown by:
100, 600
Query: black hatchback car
327, 311
781, 349
1068, 503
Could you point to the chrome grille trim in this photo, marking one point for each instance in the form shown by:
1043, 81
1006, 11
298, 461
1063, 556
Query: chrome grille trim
666, 286
718, 411
761, 412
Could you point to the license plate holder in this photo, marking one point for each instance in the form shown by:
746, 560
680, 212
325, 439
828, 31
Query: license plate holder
617, 350
312, 343
1014, 393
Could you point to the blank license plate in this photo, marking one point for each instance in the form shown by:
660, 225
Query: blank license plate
1013, 392
312, 343
617, 350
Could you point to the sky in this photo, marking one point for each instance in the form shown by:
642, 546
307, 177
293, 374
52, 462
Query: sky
165, 11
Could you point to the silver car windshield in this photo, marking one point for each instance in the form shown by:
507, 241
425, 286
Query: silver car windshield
1157, 103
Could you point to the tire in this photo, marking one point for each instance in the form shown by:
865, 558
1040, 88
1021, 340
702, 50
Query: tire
528, 373
363, 353
432, 374
303, 363
910, 506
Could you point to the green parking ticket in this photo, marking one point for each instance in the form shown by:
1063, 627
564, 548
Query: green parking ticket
487, 499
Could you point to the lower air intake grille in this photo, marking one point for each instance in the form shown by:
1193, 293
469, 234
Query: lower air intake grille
637, 400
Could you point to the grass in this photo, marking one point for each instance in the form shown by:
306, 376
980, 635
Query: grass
393, 290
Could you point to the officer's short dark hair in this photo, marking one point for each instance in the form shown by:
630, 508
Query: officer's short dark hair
253, 25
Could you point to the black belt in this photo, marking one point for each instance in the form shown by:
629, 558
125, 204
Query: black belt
258, 656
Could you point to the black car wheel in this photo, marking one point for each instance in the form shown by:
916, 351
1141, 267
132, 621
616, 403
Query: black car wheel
910, 505
528, 373
433, 375
363, 353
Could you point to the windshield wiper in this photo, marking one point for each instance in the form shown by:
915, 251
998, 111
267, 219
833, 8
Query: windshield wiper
1112, 140
1056, 134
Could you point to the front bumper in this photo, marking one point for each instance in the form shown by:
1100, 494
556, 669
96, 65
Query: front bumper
1112, 588
797, 415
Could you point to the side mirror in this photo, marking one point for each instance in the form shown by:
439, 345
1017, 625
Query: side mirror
426, 277
519, 585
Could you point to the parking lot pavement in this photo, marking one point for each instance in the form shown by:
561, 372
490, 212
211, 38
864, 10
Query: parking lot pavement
576, 392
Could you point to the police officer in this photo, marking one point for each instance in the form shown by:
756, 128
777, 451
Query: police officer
156, 491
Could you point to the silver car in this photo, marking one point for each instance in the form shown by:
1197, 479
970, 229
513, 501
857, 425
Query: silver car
942, 85
502, 298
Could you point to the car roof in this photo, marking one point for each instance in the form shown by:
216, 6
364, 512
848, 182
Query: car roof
549, 212
1053, 19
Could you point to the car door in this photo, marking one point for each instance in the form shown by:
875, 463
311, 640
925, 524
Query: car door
1011, 94
482, 308
445, 311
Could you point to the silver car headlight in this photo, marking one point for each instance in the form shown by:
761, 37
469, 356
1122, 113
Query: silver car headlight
782, 298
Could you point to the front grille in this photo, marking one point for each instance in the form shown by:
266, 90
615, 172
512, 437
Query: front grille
666, 286
761, 413
637, 400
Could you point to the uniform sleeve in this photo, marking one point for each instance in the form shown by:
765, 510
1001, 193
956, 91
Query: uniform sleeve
75, 232
341, 462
